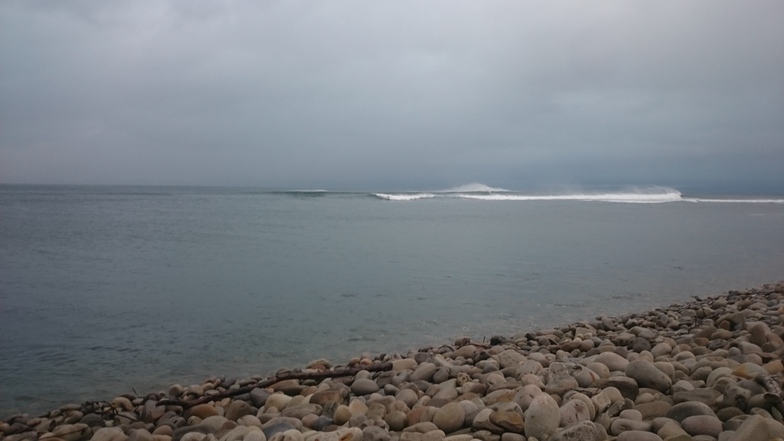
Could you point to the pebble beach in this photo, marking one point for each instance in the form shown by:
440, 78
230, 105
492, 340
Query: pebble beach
707, 369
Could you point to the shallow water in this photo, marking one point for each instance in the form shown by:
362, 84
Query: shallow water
105, 289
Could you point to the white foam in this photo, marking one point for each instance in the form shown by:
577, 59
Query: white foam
474, 187
403, 196
631, 195
623, 197
736, 201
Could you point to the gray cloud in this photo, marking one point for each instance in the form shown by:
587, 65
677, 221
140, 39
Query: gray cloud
393, 94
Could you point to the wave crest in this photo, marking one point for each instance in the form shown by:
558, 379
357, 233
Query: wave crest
403, 197
474, 187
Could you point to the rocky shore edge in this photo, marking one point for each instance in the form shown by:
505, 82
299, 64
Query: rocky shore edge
708, 369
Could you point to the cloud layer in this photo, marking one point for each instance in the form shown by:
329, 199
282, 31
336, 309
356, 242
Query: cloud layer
398, 95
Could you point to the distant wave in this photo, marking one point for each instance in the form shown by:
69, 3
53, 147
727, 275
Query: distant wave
403, 196
474, 187
629, 195
302, 193
476, 191
652, 195
482, 192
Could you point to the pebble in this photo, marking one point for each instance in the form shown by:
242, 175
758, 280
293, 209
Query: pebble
583, 431
201, 411
647, 375
574, 411
509, 421
681, 411
364, 387
238, 409
542, 417
638, 435
450, 417
702, 425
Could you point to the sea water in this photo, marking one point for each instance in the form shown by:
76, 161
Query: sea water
110, 290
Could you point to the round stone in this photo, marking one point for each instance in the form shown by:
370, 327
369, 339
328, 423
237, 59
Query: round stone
364, 386
542, 417
647, 375
278, 401
574, 411
449, 418
407, 396
613, 361
702, 425
424, 371
638, 435
202, 411
681, 411
238, 409
583, 431
342, 415
396, 420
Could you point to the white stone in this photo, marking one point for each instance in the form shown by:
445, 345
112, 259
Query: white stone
542, 417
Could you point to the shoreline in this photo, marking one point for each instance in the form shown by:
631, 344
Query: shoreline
707, 368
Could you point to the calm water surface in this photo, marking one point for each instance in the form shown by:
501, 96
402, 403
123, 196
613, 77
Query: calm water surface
105, 289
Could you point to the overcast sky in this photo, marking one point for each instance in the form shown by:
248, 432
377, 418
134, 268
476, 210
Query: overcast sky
393, 94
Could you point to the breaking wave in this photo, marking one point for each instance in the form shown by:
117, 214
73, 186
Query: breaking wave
735, 201
477, 191
631, 195
643, 196
474, 187
403, 196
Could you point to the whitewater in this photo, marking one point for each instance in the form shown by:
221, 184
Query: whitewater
632, 195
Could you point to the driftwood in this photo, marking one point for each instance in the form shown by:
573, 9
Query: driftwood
773, 390
773, 394
315, 375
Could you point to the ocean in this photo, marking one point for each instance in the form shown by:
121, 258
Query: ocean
110, 290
